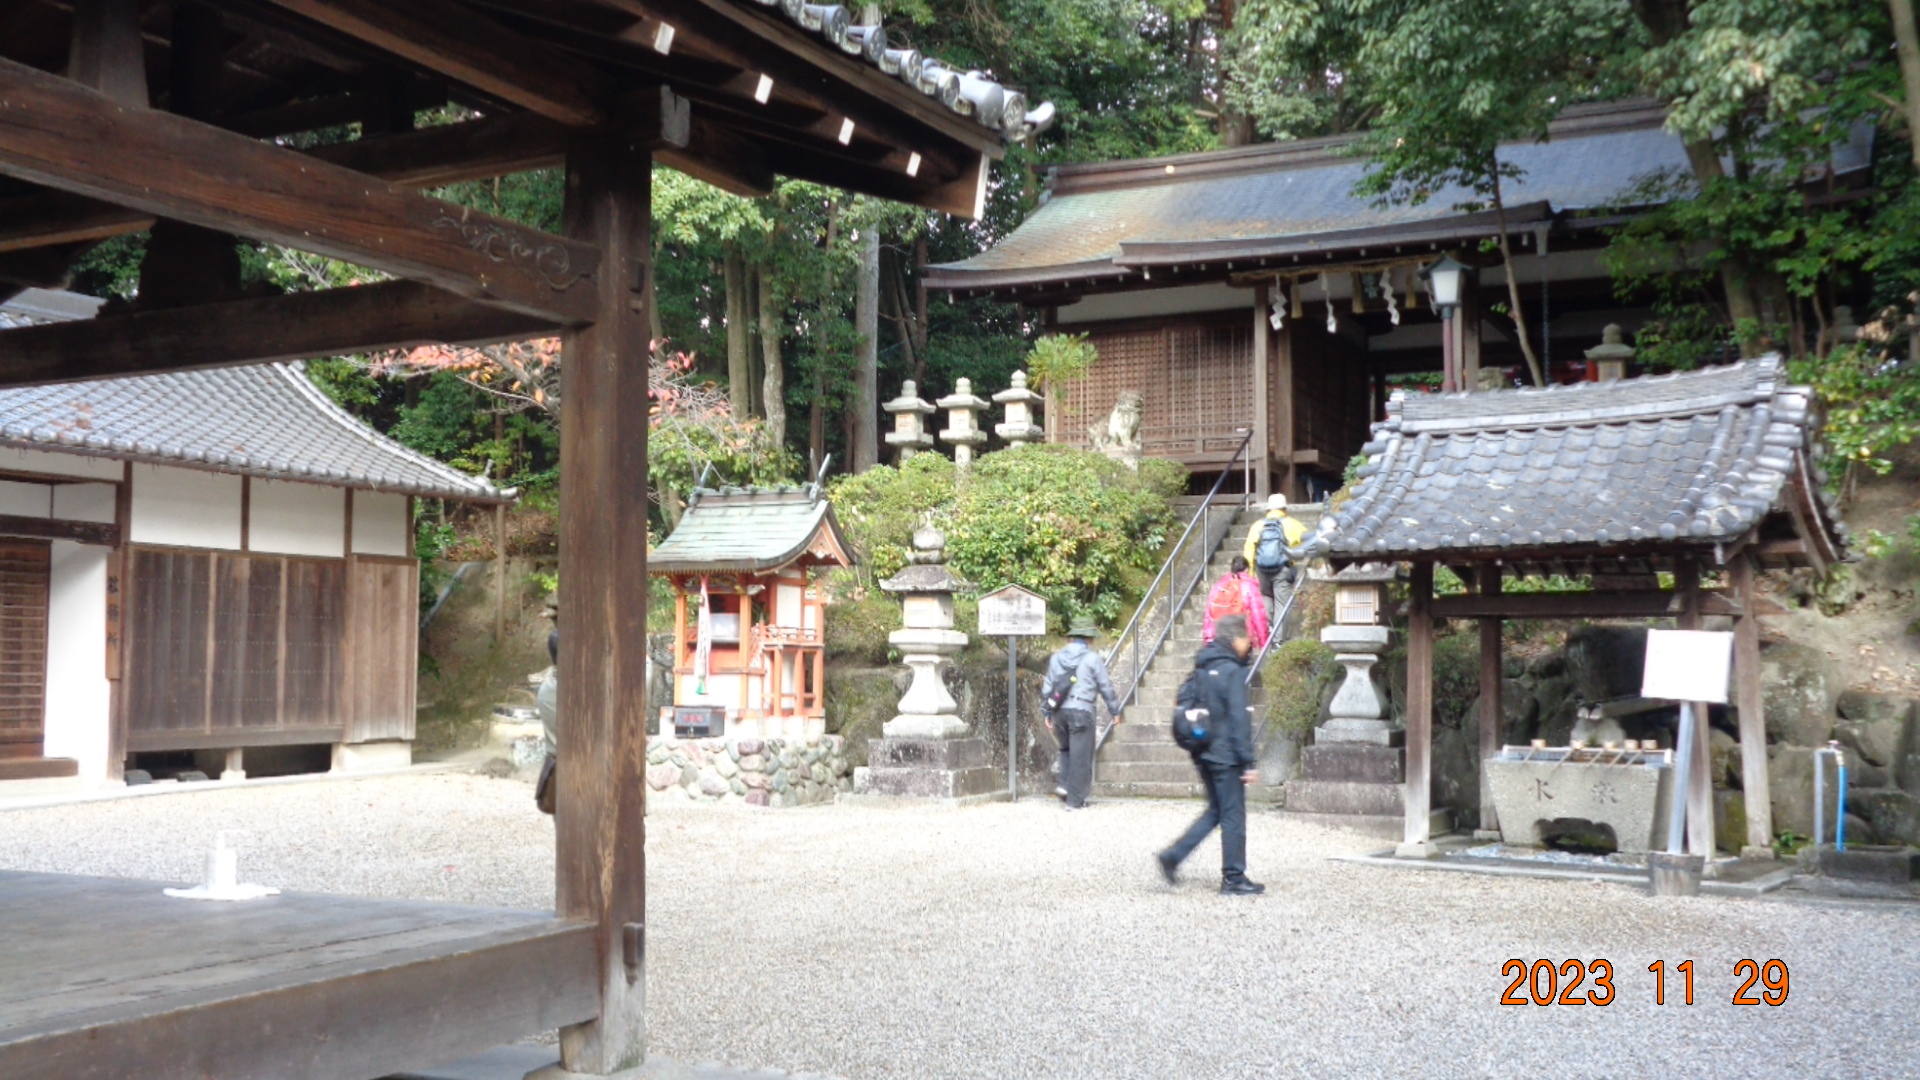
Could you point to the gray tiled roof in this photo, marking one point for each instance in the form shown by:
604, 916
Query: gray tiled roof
1115, 218
1694, 458
744, 530
264, 420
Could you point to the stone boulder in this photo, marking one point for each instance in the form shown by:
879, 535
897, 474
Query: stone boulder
1606, 661
1869, 705
1729, 821
1456, 771
1893, 814
1800, 689
1790, 789
1875, 742
1724, 752
1519, 710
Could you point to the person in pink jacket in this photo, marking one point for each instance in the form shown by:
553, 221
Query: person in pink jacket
1236, 593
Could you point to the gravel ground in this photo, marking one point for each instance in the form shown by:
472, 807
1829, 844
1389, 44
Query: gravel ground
1020, 941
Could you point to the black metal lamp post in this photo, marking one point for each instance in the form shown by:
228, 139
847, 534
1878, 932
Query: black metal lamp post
1444, 278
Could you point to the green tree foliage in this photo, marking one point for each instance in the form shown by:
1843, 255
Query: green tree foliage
1080, 529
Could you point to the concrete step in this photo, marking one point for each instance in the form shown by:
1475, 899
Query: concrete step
1148, 789
1148, 772
1160, 698
1345, 797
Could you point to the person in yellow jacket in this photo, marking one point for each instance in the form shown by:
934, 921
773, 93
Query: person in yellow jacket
1267, 542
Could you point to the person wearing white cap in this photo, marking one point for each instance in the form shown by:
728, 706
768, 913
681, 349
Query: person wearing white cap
1267, 544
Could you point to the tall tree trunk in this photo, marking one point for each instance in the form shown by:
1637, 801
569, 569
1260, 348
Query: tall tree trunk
1518, 312
918, 328
866, 319
817, 408
1907, 40
739, 363
773, 383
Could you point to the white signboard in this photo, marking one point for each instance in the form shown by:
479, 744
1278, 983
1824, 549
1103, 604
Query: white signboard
1688, 665
1012, 611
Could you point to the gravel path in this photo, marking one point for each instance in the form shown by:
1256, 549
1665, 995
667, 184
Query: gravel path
1019, 941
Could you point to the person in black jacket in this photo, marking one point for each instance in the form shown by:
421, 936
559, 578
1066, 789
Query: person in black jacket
1227, 764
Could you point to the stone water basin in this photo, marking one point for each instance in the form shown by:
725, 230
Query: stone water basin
1539, 793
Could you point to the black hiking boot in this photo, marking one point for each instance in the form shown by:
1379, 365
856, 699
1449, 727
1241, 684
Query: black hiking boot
1241, 887
1169, 867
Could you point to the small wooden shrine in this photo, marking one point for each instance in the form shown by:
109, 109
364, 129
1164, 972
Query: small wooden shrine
749, 657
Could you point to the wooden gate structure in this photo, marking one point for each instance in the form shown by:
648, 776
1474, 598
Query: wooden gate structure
200, 121
1704, 472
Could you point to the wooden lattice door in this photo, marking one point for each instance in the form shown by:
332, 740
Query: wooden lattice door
25, 572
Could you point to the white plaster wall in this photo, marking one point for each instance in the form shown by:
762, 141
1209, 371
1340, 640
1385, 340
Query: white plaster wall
42, 461
185, 508
25, 500
79, 711
287, 518
84, 502
380, 524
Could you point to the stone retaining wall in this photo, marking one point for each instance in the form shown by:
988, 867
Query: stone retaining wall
758, 772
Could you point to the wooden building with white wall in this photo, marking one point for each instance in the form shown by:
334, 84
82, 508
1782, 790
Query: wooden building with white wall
202, 561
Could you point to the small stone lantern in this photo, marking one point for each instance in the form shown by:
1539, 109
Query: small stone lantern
1360, 594
1019, 402
927, 641
1357, 638
909, 421
963, 421
1609, 358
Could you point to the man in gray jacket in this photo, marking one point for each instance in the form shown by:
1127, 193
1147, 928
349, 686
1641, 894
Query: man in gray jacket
1227, 763
1075, 676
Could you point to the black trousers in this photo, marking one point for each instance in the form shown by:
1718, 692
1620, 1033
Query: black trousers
1227, 809
1073, 729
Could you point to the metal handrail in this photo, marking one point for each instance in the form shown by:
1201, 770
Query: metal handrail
1274, 632
1136, 627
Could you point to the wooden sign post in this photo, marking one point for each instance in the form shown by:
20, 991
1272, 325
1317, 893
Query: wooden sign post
1014, 613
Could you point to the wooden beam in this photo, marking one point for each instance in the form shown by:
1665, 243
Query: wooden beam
468, 47
297, 326
179, 168
1492, 680
86, 532
723, 158
1751, 702
1582, 605
452, 153
599, 819
46, 218
1418, 796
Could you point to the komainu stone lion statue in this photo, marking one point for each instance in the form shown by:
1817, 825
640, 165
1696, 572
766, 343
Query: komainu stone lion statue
1118, 436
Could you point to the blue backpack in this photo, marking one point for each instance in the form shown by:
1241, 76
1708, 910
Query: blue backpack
1271, 553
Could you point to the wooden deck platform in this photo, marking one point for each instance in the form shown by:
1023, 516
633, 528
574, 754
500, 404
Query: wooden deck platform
104, 979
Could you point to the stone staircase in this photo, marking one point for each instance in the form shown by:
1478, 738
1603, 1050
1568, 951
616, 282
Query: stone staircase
1140, 759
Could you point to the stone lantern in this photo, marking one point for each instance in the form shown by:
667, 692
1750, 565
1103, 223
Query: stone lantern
1357, 638
927, 751
1610, 356
963, 421
1019, 401
909, 421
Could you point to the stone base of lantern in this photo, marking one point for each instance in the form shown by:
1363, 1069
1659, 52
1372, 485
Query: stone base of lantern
953, 771
1357, 785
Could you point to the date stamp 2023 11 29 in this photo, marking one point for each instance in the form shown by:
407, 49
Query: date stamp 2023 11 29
1575, 982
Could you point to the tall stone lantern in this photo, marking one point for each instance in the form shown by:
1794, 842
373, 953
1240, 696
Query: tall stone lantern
910, 414
1019, 428
963, 431
1357, 639
927, 751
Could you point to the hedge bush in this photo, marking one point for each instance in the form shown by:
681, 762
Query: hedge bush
1080, 529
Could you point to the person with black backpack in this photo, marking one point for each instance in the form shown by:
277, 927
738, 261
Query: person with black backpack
1213, 722
1076, 675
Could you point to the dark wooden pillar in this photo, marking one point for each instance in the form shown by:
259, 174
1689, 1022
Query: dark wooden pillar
106, 51
1419, 789
1466, 324
1699, 793
599, 823
1281, 373
1262, 448
1753, 714
1491, 680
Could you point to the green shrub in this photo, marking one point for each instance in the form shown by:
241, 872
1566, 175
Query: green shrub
857, 629
1080, 529
1296, 677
